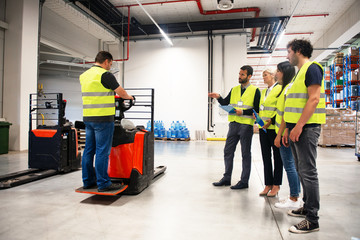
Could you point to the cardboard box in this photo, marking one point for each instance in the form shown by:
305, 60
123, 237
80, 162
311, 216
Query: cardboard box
354, 51
354, 75
337, 119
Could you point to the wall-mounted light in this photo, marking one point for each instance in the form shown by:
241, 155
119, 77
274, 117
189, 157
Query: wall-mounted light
225, 4
161, 31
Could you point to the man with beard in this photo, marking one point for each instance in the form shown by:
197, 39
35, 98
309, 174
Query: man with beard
244, 98
304, 113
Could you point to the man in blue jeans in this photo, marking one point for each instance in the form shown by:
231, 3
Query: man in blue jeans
304, 113
98, 86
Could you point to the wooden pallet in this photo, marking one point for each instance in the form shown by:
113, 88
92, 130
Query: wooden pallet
81, 138
336, 146
172, 139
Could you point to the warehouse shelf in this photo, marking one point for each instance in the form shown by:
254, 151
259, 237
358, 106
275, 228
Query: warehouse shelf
344, 80
351, 80
335, 88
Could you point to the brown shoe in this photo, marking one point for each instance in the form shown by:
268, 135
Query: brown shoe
266, 190
274, 191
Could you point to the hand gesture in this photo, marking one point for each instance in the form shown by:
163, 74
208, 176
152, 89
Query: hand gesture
213, 95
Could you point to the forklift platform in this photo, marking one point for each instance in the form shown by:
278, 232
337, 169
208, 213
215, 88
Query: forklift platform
157, 171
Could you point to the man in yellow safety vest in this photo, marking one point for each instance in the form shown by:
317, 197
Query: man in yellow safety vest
244, 98
304, 113
98, 86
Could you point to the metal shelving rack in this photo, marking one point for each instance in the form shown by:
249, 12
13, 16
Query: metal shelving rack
334, 88
349, 67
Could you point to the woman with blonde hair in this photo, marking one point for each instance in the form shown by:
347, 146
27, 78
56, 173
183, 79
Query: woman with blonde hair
267, 112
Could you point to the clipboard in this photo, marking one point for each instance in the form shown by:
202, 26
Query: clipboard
228, 108
259, 120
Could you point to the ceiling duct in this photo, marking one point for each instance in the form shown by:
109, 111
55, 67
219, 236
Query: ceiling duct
225, 5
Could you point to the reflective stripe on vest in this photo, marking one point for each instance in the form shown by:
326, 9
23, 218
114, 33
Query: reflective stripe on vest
279, 111
297, 97
268, 111
247, 99
97, 100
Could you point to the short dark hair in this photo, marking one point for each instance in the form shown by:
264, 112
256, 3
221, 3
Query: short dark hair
302, 46
249, 69
102, 56
288, 73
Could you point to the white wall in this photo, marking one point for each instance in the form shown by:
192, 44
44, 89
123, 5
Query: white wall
232, 59
179, 75
67, 83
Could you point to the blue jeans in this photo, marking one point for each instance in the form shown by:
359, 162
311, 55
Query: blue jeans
98, 142
289, 166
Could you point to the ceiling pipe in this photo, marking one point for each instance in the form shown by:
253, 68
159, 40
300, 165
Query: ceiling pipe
269, 57
298, 33
128, 42
201, 10
312, 15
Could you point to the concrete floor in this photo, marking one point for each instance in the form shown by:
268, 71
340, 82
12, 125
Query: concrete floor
181, 204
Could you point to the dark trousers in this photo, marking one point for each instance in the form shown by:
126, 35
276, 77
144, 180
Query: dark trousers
305, 153
243, 133
267, 144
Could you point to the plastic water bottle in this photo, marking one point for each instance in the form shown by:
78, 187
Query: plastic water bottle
161, 124
168, 133
177, 125
173, 133
181, 133
186, 133
173, 125
156, 133
183, 125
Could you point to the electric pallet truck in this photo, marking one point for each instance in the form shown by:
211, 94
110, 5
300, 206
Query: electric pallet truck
53, 146
131, 160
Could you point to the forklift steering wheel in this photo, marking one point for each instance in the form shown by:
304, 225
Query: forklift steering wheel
126, 104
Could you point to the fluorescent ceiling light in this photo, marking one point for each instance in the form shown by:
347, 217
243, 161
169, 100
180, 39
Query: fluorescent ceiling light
161, 31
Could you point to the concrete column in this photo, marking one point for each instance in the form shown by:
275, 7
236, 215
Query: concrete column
20, 67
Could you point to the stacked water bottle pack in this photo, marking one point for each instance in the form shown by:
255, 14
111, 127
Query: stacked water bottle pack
177, 130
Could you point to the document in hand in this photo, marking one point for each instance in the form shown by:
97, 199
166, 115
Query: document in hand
228, 108
259, 120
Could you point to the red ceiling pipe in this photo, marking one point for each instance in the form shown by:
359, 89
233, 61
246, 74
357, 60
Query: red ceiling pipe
128, 42
128, 39
236, 10
313, 15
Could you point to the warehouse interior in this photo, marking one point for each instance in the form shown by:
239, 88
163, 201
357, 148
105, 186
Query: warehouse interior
46, 45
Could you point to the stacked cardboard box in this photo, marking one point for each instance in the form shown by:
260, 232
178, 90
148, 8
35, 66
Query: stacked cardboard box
354, 51
357, 136
355, 75
339, 58
339, 128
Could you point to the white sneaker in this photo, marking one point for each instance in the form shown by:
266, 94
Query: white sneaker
288, 203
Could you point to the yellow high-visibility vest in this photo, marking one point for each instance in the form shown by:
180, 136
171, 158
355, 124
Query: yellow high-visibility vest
280, 105
297, 97
97, 100
244, 101
268, 104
